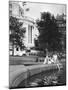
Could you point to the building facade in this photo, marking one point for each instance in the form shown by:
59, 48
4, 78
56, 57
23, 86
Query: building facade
61, 23
17, 11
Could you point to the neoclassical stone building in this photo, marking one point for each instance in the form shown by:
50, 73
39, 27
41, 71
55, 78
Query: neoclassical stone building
29, 24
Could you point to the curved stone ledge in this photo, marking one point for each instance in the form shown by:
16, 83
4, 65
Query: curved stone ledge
20, 74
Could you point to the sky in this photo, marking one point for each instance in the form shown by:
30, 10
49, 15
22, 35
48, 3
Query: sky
35, 9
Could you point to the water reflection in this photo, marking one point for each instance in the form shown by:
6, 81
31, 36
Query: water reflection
50, 78
46, 79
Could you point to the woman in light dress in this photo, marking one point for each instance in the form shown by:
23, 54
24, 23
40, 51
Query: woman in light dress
45, 60
50, 60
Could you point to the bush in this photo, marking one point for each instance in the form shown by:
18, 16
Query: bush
41, 54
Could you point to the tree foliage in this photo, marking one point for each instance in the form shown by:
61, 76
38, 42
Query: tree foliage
16, 32
49, 35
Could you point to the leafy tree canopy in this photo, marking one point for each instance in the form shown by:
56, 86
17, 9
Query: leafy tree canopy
16, 32
49, 35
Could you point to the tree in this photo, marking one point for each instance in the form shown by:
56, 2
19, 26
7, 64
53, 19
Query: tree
16, 33
36, 43
49, 35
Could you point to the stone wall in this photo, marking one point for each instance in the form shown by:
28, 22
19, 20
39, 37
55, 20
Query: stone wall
20, 74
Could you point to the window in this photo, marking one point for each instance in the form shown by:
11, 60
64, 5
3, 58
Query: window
10, 6
10, 12
29, 34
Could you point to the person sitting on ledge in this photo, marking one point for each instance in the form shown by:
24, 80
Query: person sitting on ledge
51, 59
55, 58
46, 60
